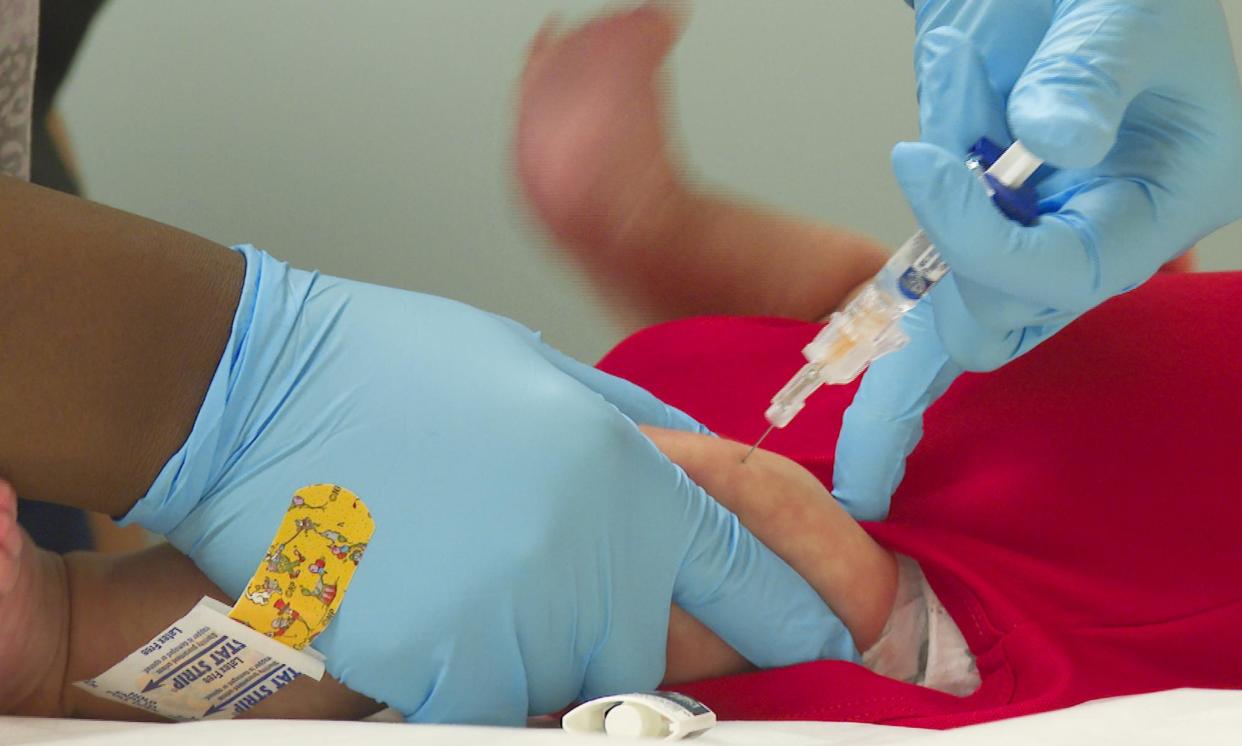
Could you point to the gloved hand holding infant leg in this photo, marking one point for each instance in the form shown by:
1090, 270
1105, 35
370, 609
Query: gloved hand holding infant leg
529, 538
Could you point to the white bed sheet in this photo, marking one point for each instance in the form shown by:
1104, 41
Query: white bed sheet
1181, 716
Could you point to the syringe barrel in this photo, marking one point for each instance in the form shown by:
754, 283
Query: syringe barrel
916, 267
867, 328
911, 271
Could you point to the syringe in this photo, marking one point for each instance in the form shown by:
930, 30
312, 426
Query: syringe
867, 328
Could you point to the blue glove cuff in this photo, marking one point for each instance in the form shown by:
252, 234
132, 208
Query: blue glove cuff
263, 313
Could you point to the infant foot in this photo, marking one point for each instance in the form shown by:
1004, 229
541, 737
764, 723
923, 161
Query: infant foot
34, 619
591, 153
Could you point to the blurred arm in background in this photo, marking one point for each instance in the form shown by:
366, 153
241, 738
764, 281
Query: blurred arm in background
594, 160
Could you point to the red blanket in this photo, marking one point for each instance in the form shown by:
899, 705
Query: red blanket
1078, 512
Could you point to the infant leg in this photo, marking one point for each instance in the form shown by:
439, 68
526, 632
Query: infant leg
34, 619
787, 509
118, 603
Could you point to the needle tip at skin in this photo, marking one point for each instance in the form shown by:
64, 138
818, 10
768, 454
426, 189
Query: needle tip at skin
757, 442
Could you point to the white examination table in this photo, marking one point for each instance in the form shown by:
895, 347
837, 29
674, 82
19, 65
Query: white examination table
1182, 717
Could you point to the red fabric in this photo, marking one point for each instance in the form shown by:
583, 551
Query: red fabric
1077, 511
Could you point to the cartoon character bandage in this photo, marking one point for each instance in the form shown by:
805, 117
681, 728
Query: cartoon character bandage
303, 576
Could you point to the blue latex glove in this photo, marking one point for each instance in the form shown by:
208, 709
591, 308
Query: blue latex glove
1137, 105
529, 539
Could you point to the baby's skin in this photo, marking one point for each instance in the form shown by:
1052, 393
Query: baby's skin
67, 619
791, 512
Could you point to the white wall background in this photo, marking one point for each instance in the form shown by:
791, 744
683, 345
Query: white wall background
371, 139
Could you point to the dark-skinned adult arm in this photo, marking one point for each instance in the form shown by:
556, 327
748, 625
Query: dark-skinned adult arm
111, 326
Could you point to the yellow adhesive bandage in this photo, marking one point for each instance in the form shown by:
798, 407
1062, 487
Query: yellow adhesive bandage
302, 579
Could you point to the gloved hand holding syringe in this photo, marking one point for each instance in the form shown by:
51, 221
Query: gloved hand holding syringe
868, 327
